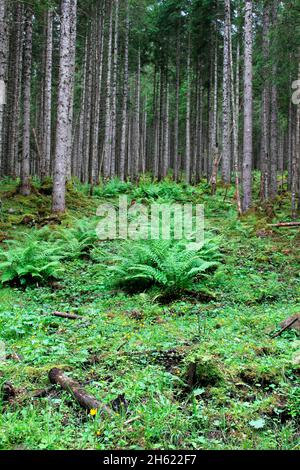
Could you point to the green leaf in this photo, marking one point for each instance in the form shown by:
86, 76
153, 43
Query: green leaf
258, 424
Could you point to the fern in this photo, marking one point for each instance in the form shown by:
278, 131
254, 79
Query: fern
36, 261
113, 188
167, 265
74, 242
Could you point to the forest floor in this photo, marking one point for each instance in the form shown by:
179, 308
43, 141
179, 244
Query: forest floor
133, 353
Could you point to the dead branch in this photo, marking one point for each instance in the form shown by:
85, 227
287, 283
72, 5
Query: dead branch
286, 224
67, 316
287, 325
86, 401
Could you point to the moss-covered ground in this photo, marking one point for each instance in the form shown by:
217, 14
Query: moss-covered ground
135, 354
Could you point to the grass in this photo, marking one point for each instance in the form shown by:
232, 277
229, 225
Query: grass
246, 389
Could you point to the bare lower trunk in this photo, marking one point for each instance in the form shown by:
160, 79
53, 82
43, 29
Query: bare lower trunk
65, 92
226, 159
248, 109
25, 188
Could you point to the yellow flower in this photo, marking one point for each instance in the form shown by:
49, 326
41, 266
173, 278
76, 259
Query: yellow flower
98, 433
93, 412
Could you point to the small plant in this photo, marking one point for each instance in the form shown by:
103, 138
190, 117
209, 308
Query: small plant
168, 265
294, 403
34, 262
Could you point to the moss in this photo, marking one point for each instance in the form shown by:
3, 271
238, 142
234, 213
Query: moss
253, 375
202, 371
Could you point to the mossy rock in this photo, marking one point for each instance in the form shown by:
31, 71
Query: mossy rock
202, 371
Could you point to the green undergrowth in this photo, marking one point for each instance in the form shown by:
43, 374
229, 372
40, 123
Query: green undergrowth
194, 372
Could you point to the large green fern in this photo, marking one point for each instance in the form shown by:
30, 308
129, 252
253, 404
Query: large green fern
169, 265
77, 241
32, 261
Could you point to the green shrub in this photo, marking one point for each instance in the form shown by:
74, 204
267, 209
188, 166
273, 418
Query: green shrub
167, 265
34, 261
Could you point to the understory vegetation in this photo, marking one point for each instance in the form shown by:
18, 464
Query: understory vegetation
179, 344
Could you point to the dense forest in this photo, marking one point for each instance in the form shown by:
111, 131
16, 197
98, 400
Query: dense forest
148, 344
108, 88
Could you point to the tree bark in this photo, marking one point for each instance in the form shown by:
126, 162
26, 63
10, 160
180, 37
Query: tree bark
226, 159
25, 187
248, 108
65, 92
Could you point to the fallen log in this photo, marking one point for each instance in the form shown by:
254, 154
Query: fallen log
291, 323
285, 224
67, 316
86, 401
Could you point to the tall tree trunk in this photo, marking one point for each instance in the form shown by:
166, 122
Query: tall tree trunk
248, 108
125, 99
25, 164
73, 35
296, 157
47, 98
65, 92
94, 175
188, 118
177, 99
265, 146
108, 122
274, 146
137, 111
114, 93
235, 100
3, 63
226, 160
166, 155
14, 91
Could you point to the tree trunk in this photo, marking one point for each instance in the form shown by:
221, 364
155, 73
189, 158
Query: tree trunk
47, 98
226, 158
25, 187
188, 119
274, 116
65, 92
265, 153
177, 99
248, 108
108, 141
3, 62
125, 99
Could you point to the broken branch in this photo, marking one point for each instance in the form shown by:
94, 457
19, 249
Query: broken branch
285, 224
68, 316
86, 401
